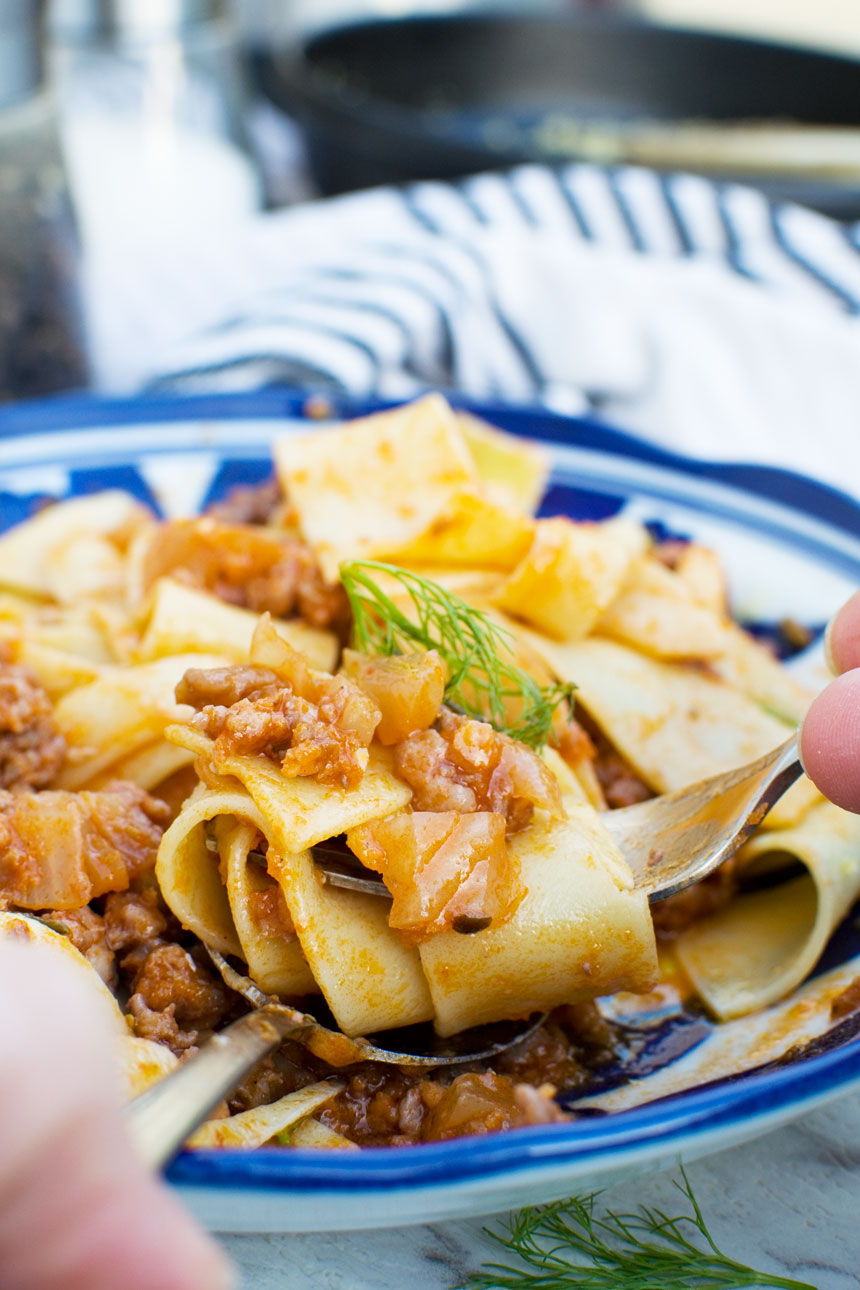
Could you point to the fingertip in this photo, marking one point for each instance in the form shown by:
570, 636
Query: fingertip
829, 741
842, 639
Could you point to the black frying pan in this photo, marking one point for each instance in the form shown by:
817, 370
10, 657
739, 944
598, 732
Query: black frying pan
436, 97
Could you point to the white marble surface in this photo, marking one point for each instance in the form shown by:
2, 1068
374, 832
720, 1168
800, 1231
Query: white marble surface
788, 1203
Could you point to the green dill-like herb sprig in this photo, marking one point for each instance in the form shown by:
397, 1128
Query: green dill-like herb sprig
480, 676
569, 1246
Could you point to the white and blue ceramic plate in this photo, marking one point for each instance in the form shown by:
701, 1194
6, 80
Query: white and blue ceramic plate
686, 1086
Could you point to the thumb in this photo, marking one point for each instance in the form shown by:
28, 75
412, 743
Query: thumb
78, 1209
830, 741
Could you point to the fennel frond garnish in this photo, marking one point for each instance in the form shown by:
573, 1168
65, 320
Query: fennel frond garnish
569, 1246
483, 681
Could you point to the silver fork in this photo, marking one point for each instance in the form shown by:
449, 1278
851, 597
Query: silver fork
675, 840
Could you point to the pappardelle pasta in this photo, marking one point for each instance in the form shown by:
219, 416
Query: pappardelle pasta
384, 652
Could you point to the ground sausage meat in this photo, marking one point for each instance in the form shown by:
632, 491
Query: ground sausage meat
32, 749
174, 999
248, 709
254, 568
133, 920
387, 1106
618, 780
86, 930
288, 1068
381, 1107
465, 765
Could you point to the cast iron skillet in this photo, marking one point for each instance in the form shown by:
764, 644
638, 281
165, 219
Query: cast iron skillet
387, 101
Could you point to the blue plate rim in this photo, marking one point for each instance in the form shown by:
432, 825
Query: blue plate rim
667, 1122
63, 413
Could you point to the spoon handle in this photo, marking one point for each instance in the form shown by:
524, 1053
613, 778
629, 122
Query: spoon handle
163, 1118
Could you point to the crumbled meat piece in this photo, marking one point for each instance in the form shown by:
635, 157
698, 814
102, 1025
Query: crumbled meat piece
620, 784
132, 919
387, 1106
223, 687
248, 504
258, 569
87, 932
270, 912
161, 1027
59, 850
323, 732
465, 765
189, 999
288, 1068
32, 750
368, 1111
563, 1051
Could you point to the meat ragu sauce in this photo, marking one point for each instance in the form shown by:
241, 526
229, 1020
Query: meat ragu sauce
391, 1106
452, 764
140, 950
172, 995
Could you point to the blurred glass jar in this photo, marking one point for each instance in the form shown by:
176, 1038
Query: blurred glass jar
42, 346
153, 114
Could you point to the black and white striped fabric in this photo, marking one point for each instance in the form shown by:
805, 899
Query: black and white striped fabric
693, 312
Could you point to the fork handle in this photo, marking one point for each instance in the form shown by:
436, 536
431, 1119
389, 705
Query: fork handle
164, 1117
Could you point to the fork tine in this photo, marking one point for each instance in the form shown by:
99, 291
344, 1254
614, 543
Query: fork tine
676, 839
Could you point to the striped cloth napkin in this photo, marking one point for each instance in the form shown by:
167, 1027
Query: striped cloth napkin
696, 314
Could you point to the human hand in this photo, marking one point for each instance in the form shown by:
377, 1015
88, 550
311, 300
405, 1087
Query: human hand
830, 736
78, 1209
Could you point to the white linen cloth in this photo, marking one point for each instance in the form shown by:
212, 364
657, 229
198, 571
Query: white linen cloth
697, 315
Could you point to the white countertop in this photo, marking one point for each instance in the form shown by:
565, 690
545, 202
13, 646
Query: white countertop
787, 1203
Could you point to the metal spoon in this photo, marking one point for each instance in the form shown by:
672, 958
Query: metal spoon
164, 1117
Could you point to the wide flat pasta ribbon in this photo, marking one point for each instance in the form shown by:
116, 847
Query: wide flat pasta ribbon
179, 620
301, 811
415, 484
119, 714
672, 723
581, 931
764, 943
344, 945
230, 903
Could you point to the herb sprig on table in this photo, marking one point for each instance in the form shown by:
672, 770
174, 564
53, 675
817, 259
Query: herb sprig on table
570, 1245
477, 651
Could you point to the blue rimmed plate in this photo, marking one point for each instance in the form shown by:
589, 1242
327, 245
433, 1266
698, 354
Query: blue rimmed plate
686, 1087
